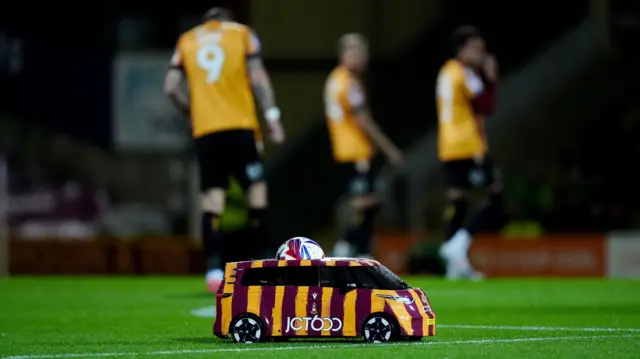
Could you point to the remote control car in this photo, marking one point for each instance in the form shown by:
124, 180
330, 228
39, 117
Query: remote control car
327, 298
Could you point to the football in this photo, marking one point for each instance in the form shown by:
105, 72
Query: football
300, 248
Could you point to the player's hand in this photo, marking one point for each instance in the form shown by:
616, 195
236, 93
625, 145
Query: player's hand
276, 132
491, 67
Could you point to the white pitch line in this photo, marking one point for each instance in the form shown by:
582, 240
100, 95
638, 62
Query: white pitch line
311, 347
538, 328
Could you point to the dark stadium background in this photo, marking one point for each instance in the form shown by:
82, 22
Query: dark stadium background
568, 151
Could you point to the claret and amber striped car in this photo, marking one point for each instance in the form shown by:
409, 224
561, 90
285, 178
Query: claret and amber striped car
327, 298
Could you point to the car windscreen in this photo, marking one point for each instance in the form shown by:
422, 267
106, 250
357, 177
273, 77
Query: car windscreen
378, 277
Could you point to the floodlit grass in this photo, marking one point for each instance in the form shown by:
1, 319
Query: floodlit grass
151, 317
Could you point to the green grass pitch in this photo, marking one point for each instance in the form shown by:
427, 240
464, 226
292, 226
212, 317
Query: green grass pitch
61, 318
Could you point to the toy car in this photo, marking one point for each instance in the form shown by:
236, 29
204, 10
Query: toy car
327, 298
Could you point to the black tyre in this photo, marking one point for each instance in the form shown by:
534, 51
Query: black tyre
379, 329
247, 328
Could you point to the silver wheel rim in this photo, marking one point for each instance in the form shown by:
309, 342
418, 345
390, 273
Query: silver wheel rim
247, 330
377, 330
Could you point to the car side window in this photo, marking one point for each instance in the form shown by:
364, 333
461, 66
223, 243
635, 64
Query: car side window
263, 276
335, 277
278, 276
306, 276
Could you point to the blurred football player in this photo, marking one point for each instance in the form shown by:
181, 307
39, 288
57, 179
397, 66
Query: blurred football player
354, 136
220, 59
466, 87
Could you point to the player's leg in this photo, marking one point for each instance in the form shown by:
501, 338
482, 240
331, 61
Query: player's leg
454, 250
214, 180
213, 201
257, 203
456, 211
248, 169
481, 175
358, 232
368, 207
362, 210
493, 207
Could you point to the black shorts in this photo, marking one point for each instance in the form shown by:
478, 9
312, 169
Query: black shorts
224, 154
356, 182
469, 174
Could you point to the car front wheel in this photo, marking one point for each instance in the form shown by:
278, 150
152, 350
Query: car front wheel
247, 329
378, 329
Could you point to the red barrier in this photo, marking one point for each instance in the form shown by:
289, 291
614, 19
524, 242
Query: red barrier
170, 255
548, 256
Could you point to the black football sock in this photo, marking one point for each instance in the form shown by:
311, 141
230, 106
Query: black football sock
211, 241
455, 221
259, 231
353, 236
490, 211
353, 232
366, 230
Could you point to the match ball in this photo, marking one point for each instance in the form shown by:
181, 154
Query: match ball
300, 248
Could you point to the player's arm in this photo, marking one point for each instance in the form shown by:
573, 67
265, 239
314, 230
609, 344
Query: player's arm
485, 102
262, 88
260, 80
261, 85
173, 83
471, 83
173, 89
360, 110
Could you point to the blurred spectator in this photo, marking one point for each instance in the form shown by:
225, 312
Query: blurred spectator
42, 207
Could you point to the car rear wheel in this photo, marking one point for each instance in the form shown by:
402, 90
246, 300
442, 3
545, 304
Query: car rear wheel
247, 329
378, 329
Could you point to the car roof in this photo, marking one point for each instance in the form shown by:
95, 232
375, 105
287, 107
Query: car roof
325, 262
